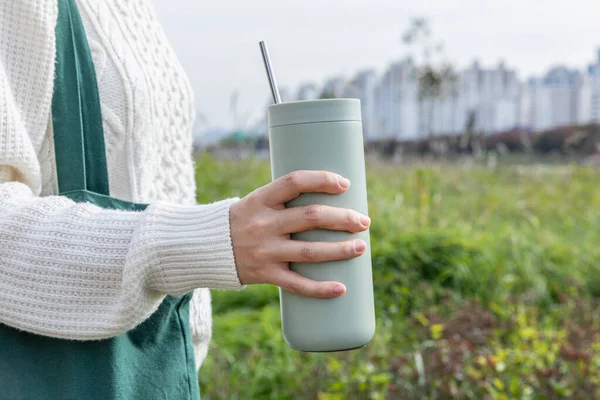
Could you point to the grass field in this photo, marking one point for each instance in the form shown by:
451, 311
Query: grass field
485, 281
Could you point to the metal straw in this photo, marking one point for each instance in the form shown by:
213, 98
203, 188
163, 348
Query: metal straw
270, 75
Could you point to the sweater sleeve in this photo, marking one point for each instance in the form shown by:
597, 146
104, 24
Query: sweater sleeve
72, 270
77, 271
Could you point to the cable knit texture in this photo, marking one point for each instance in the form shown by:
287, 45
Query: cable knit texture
77, 271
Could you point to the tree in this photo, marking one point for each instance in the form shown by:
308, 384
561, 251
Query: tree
435, 76
466, 139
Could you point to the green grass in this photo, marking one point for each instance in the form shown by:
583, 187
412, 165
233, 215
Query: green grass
490, 276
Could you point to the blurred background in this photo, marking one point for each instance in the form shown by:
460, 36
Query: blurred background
481, 125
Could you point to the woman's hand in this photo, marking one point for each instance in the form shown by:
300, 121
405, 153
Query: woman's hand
261, 228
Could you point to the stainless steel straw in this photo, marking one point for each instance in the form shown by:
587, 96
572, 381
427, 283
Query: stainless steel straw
270, 75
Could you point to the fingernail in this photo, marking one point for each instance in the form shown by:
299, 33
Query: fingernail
359, 246
343, 182
365, 221
338, 289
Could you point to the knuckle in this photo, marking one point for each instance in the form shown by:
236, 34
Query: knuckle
261, 254
261, 224
296, 287
253, 200
313, 212
292, 178
351, 217
308, 253
330, 179
279, 222
347, 249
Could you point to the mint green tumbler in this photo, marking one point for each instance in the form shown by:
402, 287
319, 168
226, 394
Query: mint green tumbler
325, 135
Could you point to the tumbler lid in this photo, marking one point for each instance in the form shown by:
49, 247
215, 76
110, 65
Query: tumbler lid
313, 111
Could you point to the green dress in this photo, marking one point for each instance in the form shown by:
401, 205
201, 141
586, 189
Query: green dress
156, 359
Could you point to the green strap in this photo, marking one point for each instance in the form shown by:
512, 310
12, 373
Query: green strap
76, 113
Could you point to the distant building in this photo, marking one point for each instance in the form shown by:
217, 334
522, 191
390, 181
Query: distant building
562, 88
586, 99
334, 87
495, 99
307, 91
397, 108
526, 106
589, 110
285, 94
446, 115
492, 95
362, 87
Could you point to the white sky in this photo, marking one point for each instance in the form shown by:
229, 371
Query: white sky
310, 40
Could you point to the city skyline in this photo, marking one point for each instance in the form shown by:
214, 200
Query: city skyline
491, 100
217, 43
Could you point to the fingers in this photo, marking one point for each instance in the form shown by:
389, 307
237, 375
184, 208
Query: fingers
314, 252
299, 219
260, 228
296, 283
290, 186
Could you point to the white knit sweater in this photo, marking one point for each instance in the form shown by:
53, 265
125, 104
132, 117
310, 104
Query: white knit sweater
77, 271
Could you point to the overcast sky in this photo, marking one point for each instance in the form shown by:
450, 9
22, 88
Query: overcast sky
310, 40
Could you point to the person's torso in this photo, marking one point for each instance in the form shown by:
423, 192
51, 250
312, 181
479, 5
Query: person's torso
148, 117
147, 105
